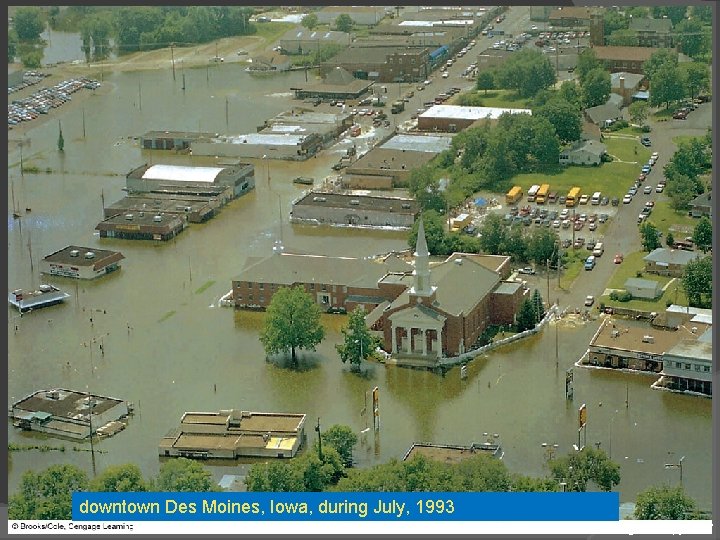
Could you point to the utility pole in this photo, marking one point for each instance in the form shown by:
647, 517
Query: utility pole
172, 57
83, 117
140, 95
227, 121
547, 271
557, 323
317, 428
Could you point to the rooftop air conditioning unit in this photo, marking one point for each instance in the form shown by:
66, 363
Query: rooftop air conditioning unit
615, 333
157, 218
75, 253
648, 339
129, 217
90, 255
354, 202
53, 394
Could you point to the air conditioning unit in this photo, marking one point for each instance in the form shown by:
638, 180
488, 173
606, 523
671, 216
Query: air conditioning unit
90, 255
129, 217
615, 333
157, 218
648, 339
75, 253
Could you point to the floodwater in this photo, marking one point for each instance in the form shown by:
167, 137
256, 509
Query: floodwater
169, 348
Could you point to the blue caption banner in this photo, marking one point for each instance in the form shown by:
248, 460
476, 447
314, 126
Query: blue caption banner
429, 506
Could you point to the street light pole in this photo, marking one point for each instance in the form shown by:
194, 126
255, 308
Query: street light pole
678, 465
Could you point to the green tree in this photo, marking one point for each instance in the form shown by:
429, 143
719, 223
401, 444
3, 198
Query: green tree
12, 46
565, 118
587, 61
344, 23
182, 474
530, 142
658, 59
697, 282
570, 92
596, 87
612, 21
703, 234
526, 316
485, 81
438, 241
28, 23
493, 234
665, 502
526, 72
31, 58
669, 239
650, 236
515, 243
638, 111
358, 343
623, 38
690, 37
48, 494
668, 85
119, 478
521, 483
292, 322
579, 468
680, 190
301, 474
61, 139
697, 78
423, 185
674, 13
539, 305
343, 439
310, 21
703, 14
542, 244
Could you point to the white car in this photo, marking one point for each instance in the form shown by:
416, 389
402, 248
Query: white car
445, 75
647, 190
627, 199
556, 224
589, 300
660, 188
655, 156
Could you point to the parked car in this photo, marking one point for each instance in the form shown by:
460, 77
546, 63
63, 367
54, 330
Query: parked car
647, 190
632, 191
646, 169
615, 201
592, 226
627, 199
584, 199
602, 218
659, 188
618, 258
645, 140
590, 262
680, 115
529, 270
589, 300
655, 156
604, 201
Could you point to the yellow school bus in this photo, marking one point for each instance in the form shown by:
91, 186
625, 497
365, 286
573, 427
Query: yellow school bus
573, 197
514, 195
541, 195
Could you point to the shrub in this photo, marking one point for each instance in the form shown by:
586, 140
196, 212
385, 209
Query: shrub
620, 296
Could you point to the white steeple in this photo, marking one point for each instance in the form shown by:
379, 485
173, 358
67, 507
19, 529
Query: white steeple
421, 274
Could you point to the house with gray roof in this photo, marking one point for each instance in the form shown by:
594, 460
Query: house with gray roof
643, 288
702, 205
668, 262
605, 114
652, 32
627, 85
587, 152
337, 84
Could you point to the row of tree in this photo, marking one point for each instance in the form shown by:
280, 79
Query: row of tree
691, 160
48, 494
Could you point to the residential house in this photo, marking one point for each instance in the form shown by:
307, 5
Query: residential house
702, 205
605, 114
668, 262
587, 152
653, 32
643, 288
626, 85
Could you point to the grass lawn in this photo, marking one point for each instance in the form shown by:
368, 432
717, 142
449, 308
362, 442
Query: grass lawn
499, 98
573, 266
628, 269
272, 31
684, 139
664, 217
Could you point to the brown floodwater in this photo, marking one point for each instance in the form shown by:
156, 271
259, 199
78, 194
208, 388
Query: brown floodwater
183, 352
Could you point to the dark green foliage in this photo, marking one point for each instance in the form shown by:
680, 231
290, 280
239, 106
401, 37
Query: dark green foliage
118, 478
690, 38
29, 23
485, 81
182, 474
527, 316
358, 344
526, 72
703, 234
587, 62
342, 439
668, 84
344, 23
310, 21
48, 494
697, 282
650, 236
665, 502
674, 13
579, 468
539, 305
439, 242
595, 87
292, 322
302, 473
620, 296
564, 116
658, 59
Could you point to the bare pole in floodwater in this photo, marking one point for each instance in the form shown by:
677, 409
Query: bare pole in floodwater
172, 58
227, 121
140, 95
83, 117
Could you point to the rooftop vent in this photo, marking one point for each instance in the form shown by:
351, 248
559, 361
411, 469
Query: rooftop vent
406, 205
319, 199
157, 218
354, 202
90, 255
458, 261
648, 339
75, 253
53, 394
129, 217
615, 333
694, 329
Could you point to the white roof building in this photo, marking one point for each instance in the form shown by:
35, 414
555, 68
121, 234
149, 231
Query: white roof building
179, 173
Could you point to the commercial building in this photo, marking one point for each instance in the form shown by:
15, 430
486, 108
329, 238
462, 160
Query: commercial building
687, 367
390, 164
318, 208
68, 413
420, 314
668, 262
652, 32
338, 83
269, 62
635, 345
171, 140
232, 433
142, 226
299, 121
453, 118
195, 209
290, 146
382, 64
303, 41
570, 16
81, 262
587, 152
361, 15
184, 180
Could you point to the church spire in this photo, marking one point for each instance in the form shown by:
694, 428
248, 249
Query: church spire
421, 274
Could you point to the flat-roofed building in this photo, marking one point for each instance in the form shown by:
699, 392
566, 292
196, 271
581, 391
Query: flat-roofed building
195, 209
361, 15
453, 118
69, 413
390, 164
81, 262
328, 126
352, 210
232, 433
171, 140
142, 226
303, 41
283, 145
452, 453
687, 367
633, 345
187, 180
383, 64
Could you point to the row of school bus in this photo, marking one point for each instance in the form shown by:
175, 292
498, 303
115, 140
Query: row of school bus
541, 194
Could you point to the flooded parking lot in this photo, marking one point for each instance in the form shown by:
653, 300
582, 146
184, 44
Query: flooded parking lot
169, 347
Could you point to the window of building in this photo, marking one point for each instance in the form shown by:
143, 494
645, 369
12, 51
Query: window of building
687, 366
261, 286
323, 287
312, 286
706, 369
697, 367
239, 298
250, 297
678, 365
262, 299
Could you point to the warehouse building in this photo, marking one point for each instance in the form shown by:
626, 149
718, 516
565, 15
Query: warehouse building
303, 41
453, 118
185, 180
81, 262
290, 146
142, 226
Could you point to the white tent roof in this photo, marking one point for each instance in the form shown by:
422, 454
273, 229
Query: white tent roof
179, 173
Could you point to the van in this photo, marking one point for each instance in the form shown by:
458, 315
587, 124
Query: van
597, 196
598, 250
552, 197
590, 262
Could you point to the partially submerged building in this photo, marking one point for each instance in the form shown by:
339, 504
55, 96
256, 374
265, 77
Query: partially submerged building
303, 41
171, 140
142, 226
687, 367
347, 209
81, 262
338, 83
452, 453
232, 433
294, 144
188, 180
68, 413
453, 118
195, 209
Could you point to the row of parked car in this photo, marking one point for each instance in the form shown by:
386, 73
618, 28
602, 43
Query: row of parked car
30, 78
40, 102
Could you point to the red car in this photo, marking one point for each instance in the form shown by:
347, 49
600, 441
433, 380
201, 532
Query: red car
618, 258
642, 177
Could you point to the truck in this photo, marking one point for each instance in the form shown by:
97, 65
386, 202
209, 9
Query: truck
397, 107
